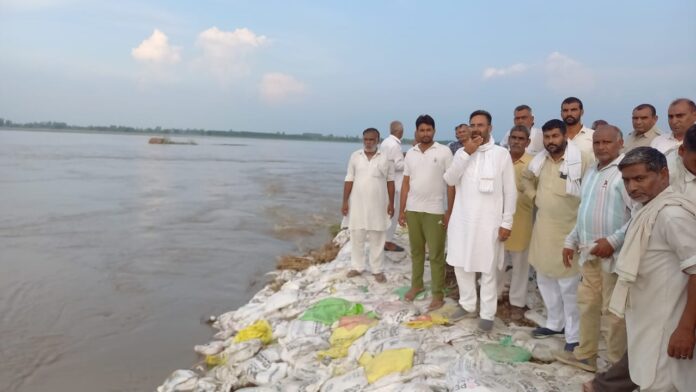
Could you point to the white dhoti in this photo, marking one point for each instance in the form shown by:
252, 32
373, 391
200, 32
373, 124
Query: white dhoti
375, 239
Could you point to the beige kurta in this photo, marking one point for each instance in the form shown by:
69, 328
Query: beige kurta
657, 299
556, 216
633, 140
522, 220
369, 197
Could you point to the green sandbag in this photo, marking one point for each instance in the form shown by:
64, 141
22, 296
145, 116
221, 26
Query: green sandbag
329, 310
506, 352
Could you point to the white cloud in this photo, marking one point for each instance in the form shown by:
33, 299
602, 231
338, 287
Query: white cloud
491, 73
567, 75
277, 87
227, 53
156, 50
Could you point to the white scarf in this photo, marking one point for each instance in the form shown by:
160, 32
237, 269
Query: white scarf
636, 241
487, 168
571, 167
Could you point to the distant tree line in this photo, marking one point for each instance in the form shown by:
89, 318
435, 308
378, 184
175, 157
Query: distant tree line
61, 126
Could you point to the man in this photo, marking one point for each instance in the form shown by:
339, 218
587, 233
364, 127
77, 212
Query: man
553, 181
682, 166
485, 190
522, 115
461, 132
605, 209
571, 113
368, 195
597, 123
391, 147
517, 246
680, 115
423, 209
656, 290
645, 128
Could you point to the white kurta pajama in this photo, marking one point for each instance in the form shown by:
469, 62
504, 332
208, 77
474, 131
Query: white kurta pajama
485, 199
368, 207
391, 147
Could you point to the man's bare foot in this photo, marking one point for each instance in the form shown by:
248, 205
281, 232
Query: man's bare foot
413, 293
436, 303
587, 387
353, 273
380, 278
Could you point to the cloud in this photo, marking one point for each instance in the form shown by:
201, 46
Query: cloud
226, 54
156, 50
277, 87
491, 73
565, 74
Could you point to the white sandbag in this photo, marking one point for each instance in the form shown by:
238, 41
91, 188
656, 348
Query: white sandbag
302, 329
396, 312
179, 380
264, 368
206, 384
281, 299
352, 381
537, 315
211, 348
293, 351
239, 352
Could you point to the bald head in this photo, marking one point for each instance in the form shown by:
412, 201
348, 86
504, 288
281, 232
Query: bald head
396, 129
607, 142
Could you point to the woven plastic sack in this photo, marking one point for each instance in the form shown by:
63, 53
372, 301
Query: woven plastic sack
506, 352
259, 330
329, 310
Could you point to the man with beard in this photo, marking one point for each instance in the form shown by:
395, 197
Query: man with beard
596, 239
680, 115
553, 181
484, 179
517, 246
391, 147
656, 289
645, 128
368, 195
571, 113
423, 208
522, 115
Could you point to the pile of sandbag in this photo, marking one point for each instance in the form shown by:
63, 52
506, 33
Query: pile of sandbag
316, 330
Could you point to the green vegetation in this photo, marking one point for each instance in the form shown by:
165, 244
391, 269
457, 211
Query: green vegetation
61, 126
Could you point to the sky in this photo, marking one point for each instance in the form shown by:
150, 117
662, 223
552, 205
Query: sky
338, 67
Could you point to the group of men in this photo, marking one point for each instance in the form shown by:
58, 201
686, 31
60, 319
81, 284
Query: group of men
607, 222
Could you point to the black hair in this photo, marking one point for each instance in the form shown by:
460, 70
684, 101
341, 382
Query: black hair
553, 124
653, 159
371, 130
647, 106
481, 113
425, 119
572, 100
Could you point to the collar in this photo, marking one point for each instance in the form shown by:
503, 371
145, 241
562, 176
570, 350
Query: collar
435, 145
395, 138
646, 134
379, 152
524, 159
615, 162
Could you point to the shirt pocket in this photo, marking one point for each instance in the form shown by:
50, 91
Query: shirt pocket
380, 170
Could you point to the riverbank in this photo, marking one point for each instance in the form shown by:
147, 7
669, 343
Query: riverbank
283, 340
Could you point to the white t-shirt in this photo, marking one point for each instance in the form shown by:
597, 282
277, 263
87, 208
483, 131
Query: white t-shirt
427, 189
583, 140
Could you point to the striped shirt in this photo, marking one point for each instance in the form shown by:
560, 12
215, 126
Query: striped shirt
604, 212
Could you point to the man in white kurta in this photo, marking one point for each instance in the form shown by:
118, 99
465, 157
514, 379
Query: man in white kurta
368, 196
391, 147
682, 166
656, 290
680, 115
571, 113
485, 197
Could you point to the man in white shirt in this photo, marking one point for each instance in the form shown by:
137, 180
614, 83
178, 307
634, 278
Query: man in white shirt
391, 147
423, 207
485, 197
644, 118
680, 115
523, 116
682, 165
571, 113
368, 195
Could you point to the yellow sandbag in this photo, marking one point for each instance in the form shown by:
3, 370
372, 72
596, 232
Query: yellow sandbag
426, 321
259, 330
216, 360
387, 362
341, 340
